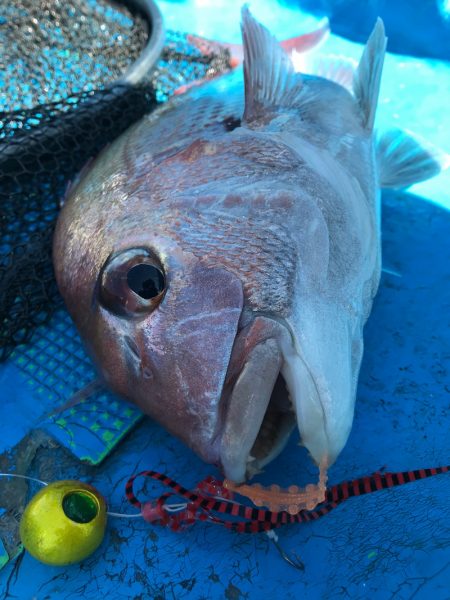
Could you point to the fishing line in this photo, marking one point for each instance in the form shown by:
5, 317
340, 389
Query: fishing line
23, 477
70, 505
169, 507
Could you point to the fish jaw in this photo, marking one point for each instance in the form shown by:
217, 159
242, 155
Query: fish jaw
293, 372
258, 415
322, 375
212, 381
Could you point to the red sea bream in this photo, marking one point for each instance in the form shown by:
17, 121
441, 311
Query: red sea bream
220, 258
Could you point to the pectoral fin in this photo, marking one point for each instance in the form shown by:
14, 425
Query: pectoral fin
87, 391
403, 161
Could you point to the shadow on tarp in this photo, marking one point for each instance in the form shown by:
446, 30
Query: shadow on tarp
391, 543
416, 27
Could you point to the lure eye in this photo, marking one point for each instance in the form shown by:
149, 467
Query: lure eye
132, 282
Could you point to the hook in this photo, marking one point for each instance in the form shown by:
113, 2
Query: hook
295, 562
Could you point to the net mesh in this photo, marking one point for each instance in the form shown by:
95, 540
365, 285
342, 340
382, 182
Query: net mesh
54, 48
59, 106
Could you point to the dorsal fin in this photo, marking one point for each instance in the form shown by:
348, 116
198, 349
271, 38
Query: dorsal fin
269, 75
367, 79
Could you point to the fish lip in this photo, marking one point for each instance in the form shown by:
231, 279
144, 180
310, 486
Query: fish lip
246, 403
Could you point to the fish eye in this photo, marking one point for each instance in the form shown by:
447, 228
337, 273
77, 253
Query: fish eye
132, 282
147, 281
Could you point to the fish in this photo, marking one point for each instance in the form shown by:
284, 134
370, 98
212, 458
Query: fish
221, 257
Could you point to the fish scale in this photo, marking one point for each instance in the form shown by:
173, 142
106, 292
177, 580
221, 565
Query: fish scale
219, 240
207, 111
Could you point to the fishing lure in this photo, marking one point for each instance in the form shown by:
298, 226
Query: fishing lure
65, 521
215, 496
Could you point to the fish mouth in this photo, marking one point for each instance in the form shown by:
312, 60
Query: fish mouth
260, 413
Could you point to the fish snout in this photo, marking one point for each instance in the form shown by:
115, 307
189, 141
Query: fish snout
184, 353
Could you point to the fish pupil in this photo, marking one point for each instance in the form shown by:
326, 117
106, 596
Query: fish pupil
147, 281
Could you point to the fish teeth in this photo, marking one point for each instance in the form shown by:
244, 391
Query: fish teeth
252, 470
291, 402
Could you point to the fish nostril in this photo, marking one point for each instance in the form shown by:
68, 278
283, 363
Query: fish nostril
132, 346
147, 373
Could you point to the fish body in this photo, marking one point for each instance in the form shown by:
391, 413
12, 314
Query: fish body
221, 257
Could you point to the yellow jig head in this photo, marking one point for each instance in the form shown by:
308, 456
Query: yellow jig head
64, 523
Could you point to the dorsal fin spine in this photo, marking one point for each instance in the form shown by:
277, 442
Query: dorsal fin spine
366, 85
269, 75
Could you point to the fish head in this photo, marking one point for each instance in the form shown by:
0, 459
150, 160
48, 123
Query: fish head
183, 307
210, 311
